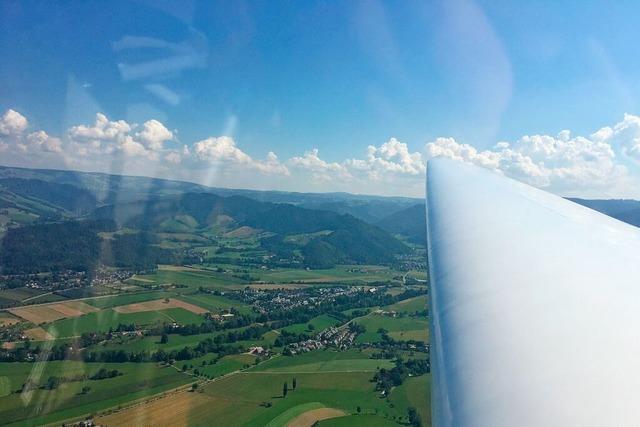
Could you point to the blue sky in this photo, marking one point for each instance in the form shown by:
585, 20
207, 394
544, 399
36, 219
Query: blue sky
291, 77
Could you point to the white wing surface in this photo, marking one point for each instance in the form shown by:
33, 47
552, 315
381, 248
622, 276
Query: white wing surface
535, 305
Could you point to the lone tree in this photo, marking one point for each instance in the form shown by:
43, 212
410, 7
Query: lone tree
164, 339
294, 383
285, 389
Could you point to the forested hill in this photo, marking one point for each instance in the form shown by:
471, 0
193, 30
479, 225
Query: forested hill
75, 200
130, 235
345, 238
410, 223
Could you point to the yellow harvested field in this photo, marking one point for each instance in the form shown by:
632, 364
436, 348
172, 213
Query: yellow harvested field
78, 307
174, 410
307, 419
37, 314
7, 319
38, 334
159, 304
49, 312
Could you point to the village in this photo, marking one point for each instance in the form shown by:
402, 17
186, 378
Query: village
339, 338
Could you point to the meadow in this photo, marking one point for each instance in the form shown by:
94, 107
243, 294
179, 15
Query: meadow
324, 360
223, 366
410, 305
191, 278
399, 328
215, 303
105, 319
244, 398
319, 323
116, 300
45, 406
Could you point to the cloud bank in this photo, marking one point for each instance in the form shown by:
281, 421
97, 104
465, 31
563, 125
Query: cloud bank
603, 164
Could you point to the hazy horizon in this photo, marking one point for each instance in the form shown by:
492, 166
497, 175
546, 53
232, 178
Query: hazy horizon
325, 98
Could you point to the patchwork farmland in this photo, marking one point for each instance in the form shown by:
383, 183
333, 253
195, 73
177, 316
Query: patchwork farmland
185, 326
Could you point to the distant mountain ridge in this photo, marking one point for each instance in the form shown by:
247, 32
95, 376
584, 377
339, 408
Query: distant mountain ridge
411, 222
39, 216
110, 189
31, 195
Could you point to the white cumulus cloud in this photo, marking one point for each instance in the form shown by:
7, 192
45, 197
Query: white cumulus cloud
603, 164
223, 152
111, 137
42, 141
320, 169
561, 163
392, 157
12, 123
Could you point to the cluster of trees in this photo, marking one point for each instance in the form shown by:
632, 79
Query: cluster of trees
54, 381
358, 243
238, 321
285, 338
386, 379
137, 251
76, 245
104, 374
357, 328
186, 353
413, 417
71, 245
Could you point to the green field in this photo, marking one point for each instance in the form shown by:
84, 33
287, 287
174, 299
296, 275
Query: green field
152, 343
414, 392
5, 386
323, 360
339, 273
223, 366
321, 322
116, 300
360, 421
291, 413
237, 397
400, 328
105, 319
191, 278
43, 406
215, 303
19, 294
243, 392
410, 305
